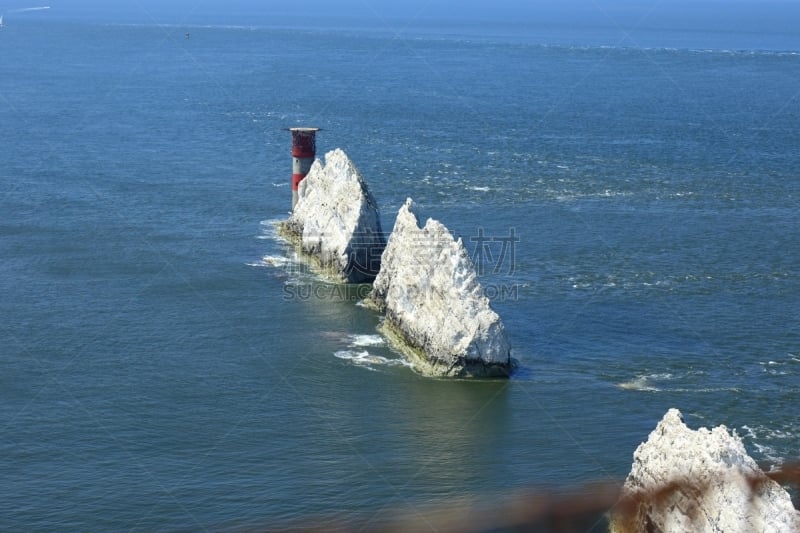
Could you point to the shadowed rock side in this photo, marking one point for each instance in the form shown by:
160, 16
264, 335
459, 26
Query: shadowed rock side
435, 308
685, 480
336, 220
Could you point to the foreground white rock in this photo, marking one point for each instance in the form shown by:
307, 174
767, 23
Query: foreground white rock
685, 480
336, 220
435, 308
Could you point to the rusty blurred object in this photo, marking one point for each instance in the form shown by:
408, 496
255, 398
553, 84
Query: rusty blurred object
585, 509
580, 510
629, 513
788, 474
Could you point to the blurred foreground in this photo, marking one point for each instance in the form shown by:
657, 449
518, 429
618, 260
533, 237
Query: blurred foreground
588, 508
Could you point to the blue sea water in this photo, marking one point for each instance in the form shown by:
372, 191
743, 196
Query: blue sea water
168, 363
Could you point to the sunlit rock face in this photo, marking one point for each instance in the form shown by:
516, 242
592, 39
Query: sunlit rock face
336, 220
703, 480
435, 308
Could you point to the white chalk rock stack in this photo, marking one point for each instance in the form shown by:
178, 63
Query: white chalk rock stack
336, 220
434, 305
685, 480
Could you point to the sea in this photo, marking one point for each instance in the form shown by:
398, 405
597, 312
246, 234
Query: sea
629, 197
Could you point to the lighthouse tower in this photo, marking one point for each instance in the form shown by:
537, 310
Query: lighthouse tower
304, 149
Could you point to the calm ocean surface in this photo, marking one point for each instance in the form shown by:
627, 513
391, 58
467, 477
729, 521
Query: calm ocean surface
167, 363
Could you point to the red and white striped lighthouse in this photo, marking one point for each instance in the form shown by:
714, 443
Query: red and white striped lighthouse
304, 149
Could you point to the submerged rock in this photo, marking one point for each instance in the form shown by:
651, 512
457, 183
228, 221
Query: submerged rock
435, 308
685, 480
336, 220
